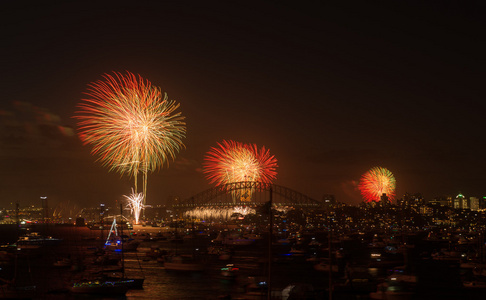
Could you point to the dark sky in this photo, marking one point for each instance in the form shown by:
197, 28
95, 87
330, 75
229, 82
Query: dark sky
331, 89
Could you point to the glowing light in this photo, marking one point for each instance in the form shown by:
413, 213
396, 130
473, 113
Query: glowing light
376, 182
235, 162
221, 213
130, 125
135, 203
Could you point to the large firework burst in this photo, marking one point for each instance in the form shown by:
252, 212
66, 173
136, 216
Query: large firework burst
131, 126
235, 162
376, 182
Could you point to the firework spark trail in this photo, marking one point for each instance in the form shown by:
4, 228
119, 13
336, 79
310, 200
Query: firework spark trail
235, 162
376, 182
135, 203
130, 126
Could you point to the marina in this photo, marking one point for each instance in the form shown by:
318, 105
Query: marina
188, 270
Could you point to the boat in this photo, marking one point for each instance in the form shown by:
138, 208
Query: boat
107, 260
9, 290
34, 240
253, 236
65, 262
377, 243
225, 254
324, 266
116, 244
135, 283
399, 285
358, 281
237, 241
101, 287
229, 271
6, 256
297, 251
103, 283
130, 281
176, 239
20, 286
285, 241
108, 225
382, 259
183, 263
257, 286
233, 239
117, 241
298, 291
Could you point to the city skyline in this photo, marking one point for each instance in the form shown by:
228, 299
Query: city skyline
332, 90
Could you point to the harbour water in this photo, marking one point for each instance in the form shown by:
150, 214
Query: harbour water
436, 280
36, 268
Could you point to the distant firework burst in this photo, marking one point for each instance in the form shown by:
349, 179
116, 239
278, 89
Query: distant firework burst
131, 126
235, 162
376, 182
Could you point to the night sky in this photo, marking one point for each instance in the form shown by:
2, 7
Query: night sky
331, 89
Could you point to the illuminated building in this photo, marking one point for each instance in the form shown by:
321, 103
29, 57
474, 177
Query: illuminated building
474, 203
459, 201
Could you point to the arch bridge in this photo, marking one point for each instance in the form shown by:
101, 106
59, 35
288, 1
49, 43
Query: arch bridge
248, 193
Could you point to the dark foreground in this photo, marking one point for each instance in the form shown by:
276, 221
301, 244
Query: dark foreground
437, 280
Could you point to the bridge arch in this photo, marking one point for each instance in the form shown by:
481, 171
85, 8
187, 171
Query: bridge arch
248, 193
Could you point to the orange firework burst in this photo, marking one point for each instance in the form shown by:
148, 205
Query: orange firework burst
236, 162
376, 182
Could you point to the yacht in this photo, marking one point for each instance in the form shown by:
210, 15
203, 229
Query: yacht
34, 240
183, 263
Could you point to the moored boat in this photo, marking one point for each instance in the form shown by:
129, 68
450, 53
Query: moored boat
324, 266
229, 271
183, 263
34, 241
101, 287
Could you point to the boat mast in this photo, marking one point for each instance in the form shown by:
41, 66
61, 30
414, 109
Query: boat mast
330, 256
121, 241
102, 225
270, 238
18, 219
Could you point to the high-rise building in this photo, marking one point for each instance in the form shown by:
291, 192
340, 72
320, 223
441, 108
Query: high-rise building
482, 203
474, 203
459, 201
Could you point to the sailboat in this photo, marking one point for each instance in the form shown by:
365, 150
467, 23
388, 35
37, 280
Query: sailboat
120, 242
109, 282
130, 282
